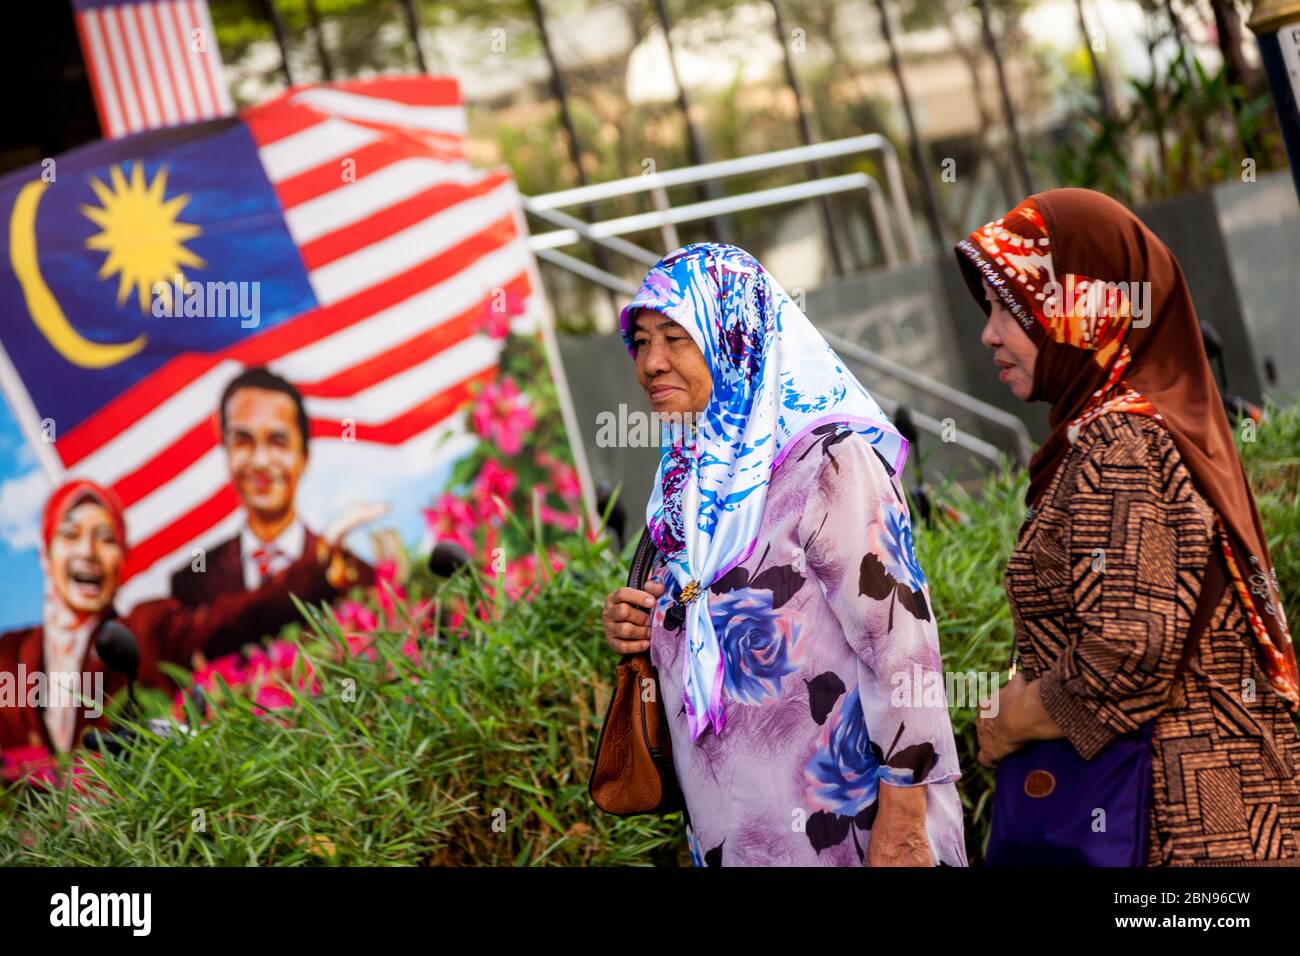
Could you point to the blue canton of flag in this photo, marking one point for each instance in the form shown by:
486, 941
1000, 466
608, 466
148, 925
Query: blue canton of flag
101, 241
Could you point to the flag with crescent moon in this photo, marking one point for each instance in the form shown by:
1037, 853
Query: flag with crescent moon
345, 214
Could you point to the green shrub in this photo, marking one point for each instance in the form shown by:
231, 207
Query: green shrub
475, 749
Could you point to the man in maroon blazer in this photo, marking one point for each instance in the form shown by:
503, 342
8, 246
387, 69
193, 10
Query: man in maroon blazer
265, 432
85, 550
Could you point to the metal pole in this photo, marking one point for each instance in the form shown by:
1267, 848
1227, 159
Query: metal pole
1017, 149
272, 14
413, 27
805, 132
919, 158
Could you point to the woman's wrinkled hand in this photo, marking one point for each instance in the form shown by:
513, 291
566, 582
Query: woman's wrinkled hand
626, 617
1014, 717
994, 725
898, 835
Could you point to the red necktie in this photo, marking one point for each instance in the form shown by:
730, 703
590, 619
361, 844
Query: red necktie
264, 557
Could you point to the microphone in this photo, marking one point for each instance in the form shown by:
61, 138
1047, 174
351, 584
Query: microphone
905, 425
447, 558
120, 651
617, 514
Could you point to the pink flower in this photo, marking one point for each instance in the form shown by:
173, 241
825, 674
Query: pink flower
450, 519
496, 316
387, 586
411, 648
494, 481
283, 654
495, 324
272, 697
28, 764
564, 479
362, 645
559, 519
230, 668
258, 664
501, 415
355, 616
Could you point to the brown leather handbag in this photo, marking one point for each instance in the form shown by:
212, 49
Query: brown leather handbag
633, 771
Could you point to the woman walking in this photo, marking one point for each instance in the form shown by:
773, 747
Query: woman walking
786, 615
1140, 516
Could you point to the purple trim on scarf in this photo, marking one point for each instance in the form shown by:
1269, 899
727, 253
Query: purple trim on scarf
717, 713
716, 717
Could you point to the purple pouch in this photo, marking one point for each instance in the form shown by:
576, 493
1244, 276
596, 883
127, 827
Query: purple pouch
1047, 801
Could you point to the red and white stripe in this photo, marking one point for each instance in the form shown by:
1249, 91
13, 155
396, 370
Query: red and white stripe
151, 63
403, 255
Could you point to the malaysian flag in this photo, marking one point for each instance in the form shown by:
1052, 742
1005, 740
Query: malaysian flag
375, 251
152, 63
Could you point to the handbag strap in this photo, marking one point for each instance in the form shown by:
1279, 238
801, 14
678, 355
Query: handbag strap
642, 558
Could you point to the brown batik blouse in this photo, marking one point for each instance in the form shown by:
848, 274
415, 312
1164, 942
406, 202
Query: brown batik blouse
1103, 584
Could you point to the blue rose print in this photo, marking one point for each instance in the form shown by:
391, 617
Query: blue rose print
897, 549
757, 644
890, 571
697, 851
843, 773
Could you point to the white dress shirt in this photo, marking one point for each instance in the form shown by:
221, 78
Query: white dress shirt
64, 644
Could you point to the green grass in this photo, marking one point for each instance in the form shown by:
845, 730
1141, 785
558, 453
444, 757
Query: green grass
478, 751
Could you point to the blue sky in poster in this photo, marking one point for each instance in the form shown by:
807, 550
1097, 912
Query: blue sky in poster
23, 490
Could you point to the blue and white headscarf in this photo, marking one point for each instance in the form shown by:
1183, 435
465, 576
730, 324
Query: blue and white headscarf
774, 380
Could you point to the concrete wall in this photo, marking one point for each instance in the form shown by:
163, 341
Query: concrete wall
1260, 222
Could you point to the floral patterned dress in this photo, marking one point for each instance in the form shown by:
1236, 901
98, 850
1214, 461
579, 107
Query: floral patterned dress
829, 644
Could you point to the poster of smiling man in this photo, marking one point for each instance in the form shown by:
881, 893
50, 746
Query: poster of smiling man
310, 335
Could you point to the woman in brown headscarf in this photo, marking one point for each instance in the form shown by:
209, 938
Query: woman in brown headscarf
1136, 490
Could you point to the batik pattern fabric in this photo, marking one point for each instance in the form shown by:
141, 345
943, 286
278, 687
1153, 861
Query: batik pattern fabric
1103, 582
775, 380
831, 674
1279, 668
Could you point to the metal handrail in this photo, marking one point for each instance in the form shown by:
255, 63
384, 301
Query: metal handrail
717, 207
565, 221
585, 270
976, 446
777, 159
923, 383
